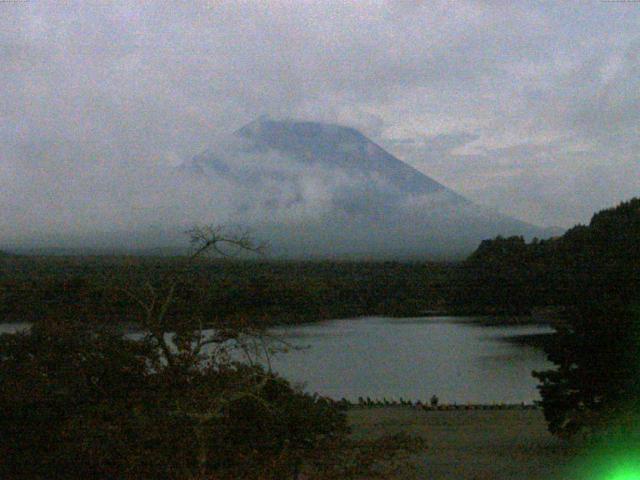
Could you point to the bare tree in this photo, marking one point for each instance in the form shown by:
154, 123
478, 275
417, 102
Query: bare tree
225, 241
184, 342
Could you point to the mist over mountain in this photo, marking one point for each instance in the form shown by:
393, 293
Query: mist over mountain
310, 190
517, 107
315, 189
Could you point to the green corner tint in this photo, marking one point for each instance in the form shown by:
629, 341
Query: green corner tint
619, 460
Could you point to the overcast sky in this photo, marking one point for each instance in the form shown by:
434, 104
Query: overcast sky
529, 107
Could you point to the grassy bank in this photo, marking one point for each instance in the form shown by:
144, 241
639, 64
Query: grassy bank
476, 444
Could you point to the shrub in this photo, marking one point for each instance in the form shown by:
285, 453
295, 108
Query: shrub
81, 403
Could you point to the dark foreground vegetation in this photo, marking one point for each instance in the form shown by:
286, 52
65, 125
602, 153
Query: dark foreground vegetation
79, 400
81, 403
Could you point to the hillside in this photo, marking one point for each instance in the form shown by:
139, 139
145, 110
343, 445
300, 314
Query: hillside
599, 260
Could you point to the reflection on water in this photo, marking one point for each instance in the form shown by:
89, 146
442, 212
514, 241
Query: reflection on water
458, 361
453, 358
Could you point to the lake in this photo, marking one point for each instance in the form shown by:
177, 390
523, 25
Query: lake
413, 358
453, 358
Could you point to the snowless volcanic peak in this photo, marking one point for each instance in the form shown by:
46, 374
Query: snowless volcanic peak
327, 190
335, 146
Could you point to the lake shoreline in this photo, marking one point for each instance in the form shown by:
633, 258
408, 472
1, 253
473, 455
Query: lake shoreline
412, 360
426, 406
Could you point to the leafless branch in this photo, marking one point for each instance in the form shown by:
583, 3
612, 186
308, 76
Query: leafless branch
225, 241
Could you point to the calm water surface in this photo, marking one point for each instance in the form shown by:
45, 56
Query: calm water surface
413, 358
453, 358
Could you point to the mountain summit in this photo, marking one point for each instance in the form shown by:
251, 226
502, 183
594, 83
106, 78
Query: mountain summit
337, 147
327, 190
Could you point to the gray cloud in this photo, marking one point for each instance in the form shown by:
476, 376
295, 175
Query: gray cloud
529, 108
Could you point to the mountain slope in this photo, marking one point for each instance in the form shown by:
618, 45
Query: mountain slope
340, 147
320, 189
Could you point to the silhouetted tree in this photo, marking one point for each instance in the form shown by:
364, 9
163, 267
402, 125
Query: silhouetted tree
596, 382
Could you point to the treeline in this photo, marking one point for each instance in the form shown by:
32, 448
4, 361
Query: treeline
599, 260
108, 288
591, 275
